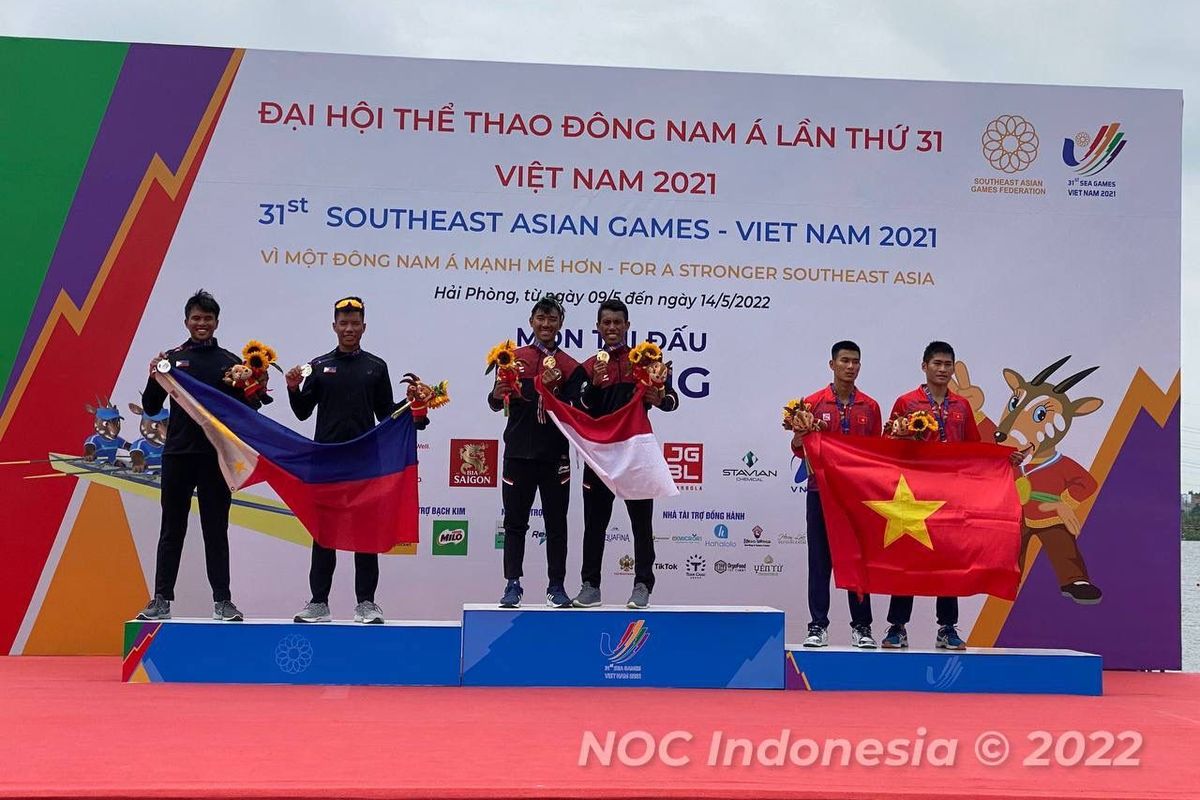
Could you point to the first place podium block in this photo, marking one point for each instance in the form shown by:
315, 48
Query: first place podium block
709, 647
279, 651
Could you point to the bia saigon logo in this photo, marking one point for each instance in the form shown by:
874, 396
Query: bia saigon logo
1098, 151
473, 462
1010, 143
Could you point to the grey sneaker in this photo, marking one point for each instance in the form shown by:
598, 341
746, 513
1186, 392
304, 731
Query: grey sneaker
640, 597
860, 637
226, 611
158, 608
817, 636
313, 612
368, 613
588, 597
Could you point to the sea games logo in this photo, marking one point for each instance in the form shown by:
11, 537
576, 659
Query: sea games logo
449, 537
686, 462
1088, 156
473, 462
635, 637
749, 471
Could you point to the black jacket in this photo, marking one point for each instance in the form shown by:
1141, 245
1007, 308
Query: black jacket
528, 434
207, 362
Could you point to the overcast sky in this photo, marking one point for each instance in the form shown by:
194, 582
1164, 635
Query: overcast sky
1113, 43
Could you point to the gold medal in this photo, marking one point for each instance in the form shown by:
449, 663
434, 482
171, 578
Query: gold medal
549, 363
602, 357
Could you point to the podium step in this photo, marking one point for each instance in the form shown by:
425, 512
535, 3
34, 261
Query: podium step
410, 653
713, 647
984, 670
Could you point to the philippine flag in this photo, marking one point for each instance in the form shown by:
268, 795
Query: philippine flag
359, 495
619, 447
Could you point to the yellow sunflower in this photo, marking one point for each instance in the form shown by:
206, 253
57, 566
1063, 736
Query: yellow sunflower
253, 346
257, 360
501, 356
651, 351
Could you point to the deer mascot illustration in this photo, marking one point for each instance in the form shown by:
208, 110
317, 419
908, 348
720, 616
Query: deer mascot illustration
102, 446
1036, 419
145, 455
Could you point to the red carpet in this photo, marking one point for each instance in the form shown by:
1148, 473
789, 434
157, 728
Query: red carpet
71, 729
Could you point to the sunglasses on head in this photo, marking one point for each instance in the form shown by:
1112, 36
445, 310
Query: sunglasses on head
349, 302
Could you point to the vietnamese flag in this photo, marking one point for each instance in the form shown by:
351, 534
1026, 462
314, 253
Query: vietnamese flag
918, 518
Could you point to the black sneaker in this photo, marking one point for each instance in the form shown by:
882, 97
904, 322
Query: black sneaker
157, 609
226, 611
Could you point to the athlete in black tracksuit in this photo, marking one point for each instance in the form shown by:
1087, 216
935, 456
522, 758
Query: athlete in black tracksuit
351, 391
189, 464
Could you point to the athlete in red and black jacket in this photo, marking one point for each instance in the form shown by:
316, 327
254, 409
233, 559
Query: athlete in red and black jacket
535, 455
839, 408
610, 385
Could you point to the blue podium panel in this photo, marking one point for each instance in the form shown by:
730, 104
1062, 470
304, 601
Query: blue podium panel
985, 670
711, 647
278, 651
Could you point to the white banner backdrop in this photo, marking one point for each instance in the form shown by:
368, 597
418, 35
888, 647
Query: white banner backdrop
749, 221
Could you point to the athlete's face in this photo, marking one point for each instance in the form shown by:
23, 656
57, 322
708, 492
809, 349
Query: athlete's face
545, 325
349, 327
200, 324
845, 366
939, 369
613, 327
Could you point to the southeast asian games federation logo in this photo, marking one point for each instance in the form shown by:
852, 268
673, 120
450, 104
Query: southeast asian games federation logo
630, 644
1102, 149
1010, 143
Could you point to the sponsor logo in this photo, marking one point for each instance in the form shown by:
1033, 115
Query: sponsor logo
768, 567
538, 536
749, 472
616, 535
686, 462
792, 538
694, 566
800, 477
1090, 155
686, 538
1010, 143
721, 537
473, 462
666, 566
449, 537
721, 567
626, 648
625, 565
759, 540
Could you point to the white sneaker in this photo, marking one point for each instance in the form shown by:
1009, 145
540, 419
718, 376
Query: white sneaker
817, 637
368, 613
861, 637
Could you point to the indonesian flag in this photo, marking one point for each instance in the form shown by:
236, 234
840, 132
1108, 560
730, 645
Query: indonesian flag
619, 447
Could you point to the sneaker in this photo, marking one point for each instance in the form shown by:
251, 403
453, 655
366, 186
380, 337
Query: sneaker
226, 611
512, 595
948, 639
860, 636
158, 608
557, 597
588, 597
640, 598
368, 613
897, 638
817, 636
314, 612
1083, 592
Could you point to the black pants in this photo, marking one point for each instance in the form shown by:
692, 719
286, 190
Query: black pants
320, 574
900, 610
597, 512
181, 476
820, 570
522, 479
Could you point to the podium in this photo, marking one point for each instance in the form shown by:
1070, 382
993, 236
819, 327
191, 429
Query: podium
712, 647
282, 651
982, 670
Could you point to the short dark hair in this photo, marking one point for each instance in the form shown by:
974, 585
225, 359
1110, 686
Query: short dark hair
616, 306
844, 344
937, 348
350, 305
203, 301
548, 303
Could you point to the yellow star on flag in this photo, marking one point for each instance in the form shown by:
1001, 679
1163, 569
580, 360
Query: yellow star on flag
905, 515
239, 467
